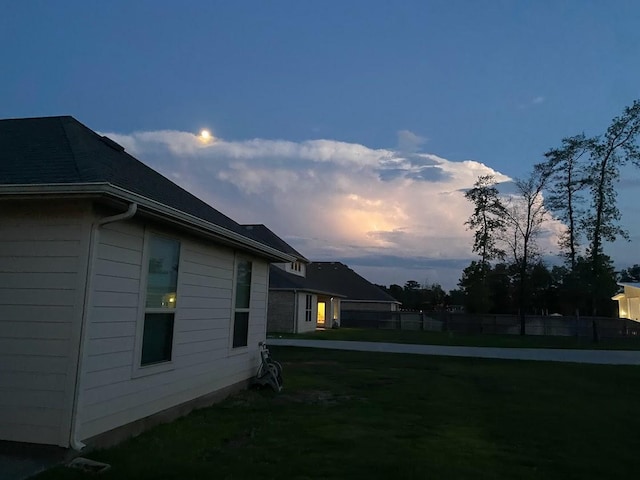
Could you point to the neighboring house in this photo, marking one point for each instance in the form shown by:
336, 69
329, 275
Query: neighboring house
359, 293
296, 305
123, 298
629, 301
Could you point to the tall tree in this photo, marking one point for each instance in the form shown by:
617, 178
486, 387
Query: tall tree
487, 219
567, 178
524, 216
608, 153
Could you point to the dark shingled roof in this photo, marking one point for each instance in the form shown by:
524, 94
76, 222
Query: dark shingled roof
264, 235
345, 281
282, 280
61, 150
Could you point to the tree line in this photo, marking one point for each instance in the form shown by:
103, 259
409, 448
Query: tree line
575, 183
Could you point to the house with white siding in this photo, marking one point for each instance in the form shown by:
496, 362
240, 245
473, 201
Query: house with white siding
629, 301
124, 299
296, 305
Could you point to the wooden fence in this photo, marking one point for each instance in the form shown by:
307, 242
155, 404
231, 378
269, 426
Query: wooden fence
463, 323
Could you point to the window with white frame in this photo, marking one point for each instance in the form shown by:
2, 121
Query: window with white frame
308, 309
161, 299
242, 302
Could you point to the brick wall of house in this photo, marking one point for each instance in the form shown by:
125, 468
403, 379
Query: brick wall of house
280, 313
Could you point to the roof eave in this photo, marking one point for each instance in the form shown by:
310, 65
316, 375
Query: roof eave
374, 301
310, 290
153, 207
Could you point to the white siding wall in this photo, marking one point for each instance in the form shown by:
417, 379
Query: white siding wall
288, 267
115, 392
631, 306
303, 325
43, 250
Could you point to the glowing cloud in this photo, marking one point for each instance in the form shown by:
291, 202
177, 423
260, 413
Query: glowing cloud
331, 200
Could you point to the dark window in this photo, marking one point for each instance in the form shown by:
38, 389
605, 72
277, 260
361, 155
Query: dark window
240, 329
157, 338
308, 309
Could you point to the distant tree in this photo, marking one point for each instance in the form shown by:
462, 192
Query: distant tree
631, 274
598, 286
434, 298
501, 288
477, 295
396, 292
455, 297
608, 153
412, 285
412, 295
487, 219
542, 298
567, 178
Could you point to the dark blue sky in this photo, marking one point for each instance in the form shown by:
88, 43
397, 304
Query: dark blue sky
495, 81
498, 82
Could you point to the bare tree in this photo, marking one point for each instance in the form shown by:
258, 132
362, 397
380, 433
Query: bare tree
524, 215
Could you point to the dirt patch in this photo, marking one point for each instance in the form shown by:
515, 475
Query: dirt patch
313, 397
313, 362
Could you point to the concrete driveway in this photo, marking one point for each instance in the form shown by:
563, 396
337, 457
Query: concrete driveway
601, 357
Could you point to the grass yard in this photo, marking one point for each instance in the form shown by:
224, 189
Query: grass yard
348, 415
445, 338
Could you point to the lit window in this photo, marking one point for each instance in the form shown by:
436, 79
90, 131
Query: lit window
162, 282
243, 298
321, 310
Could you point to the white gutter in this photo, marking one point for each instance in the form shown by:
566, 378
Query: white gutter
355, 300
161, 210
74, 441
295, 311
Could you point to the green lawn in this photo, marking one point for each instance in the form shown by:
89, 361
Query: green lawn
444, 338
348, 415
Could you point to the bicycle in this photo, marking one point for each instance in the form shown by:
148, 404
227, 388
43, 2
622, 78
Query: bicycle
269, 371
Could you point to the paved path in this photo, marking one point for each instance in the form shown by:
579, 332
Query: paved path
602, 357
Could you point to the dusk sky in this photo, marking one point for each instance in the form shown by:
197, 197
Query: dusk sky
350, 128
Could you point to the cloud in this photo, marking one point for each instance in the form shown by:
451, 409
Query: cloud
532, 102
331, 200
409, 141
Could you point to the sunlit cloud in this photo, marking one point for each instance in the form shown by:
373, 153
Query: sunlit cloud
331, 200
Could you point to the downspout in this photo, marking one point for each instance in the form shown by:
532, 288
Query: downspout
74, 442
295, 311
